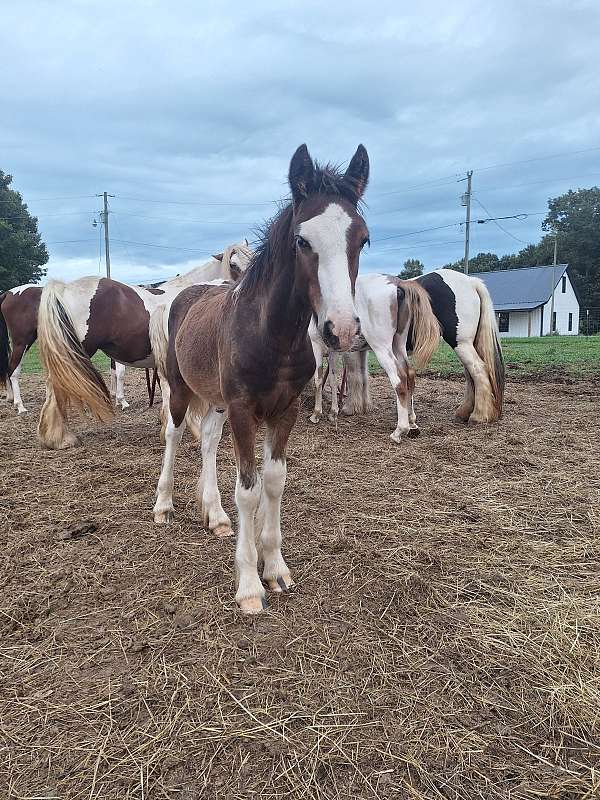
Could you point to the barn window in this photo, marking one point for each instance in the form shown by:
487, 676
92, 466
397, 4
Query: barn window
564, 284
570, 321
553, 322
503, 321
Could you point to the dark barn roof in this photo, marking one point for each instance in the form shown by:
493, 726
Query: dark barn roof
521, 289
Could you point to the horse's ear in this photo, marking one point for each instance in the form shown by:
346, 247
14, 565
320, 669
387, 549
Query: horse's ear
301, 174
219, 256
357, 174
246, 242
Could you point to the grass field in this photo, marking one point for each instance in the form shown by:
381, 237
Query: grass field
32, 363
573, 355
577, 356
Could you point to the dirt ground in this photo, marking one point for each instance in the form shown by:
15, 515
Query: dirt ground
443, 640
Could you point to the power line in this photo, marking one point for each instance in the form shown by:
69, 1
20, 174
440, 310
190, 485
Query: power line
537, 158
188, 221
162, 246
48, 199
431, 243
414, 233
495, 221
192, 202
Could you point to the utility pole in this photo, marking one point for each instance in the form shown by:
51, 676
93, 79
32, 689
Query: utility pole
104, 221
552, 326
466, 201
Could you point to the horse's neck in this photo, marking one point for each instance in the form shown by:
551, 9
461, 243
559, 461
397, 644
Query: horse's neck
284, 310
210, 271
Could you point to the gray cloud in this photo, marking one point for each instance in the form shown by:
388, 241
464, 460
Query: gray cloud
174, 103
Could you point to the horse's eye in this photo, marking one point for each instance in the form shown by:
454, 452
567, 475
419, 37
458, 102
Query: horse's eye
302, 243
365, 241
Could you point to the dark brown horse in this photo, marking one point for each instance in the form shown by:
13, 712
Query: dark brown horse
18, 325
243, 352
76, 319
18, 317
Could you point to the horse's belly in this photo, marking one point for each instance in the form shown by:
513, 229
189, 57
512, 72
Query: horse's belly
144, 363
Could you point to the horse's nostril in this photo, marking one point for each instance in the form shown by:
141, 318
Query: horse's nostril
357, 322
328, 329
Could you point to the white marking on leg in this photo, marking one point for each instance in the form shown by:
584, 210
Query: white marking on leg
484, 400
120, 386
209, 497
163, 508
318, 350
16, 388
332, 380
388, 361
246, 555
275, 572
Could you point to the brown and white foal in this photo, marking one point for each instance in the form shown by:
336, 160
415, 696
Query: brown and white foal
243, 352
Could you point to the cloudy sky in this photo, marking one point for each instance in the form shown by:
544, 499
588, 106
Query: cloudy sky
189, 112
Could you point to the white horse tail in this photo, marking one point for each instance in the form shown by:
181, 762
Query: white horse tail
425, 329
487, 345
158, 339
70, 370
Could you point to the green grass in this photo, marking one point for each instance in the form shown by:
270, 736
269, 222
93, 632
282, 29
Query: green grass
32, 362
577, 356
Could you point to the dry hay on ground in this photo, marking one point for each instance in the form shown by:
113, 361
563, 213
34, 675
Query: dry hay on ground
442, 642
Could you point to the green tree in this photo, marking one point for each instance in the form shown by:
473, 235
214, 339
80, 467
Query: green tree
575, 218
22, 252
412, 269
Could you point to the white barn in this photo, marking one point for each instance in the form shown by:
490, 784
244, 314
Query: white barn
523, 300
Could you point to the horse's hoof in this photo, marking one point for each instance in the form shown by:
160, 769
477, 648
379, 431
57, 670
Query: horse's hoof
414, 432
21, 410
124, 404
281, 584
332, 417
223, 530
315, 419
252, 605
164, 517
69, 441
395, 437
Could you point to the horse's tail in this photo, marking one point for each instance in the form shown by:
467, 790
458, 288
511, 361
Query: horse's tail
425, 329
70, 370
158, 340
487, 345
4, 346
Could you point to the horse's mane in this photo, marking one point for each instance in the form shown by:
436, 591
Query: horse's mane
276, 237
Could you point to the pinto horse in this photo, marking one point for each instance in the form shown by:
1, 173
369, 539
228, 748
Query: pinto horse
18, 324
465, 312
76, 319
390, 309
243, 352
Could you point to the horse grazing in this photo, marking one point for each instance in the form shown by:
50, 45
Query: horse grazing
76, 319
390, 310
465, 312
18, 325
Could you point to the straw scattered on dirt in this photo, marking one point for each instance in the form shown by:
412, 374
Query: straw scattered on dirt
443, 640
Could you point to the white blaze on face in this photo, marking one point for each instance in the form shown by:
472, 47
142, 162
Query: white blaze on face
327, 236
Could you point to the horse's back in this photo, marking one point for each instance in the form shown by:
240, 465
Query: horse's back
197, 322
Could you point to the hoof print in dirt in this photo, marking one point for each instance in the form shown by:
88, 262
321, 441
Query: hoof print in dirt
76, 531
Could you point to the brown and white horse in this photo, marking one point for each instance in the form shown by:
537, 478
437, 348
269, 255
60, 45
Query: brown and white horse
243, 352
18, 325
76, 319
390, 309
465, 312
